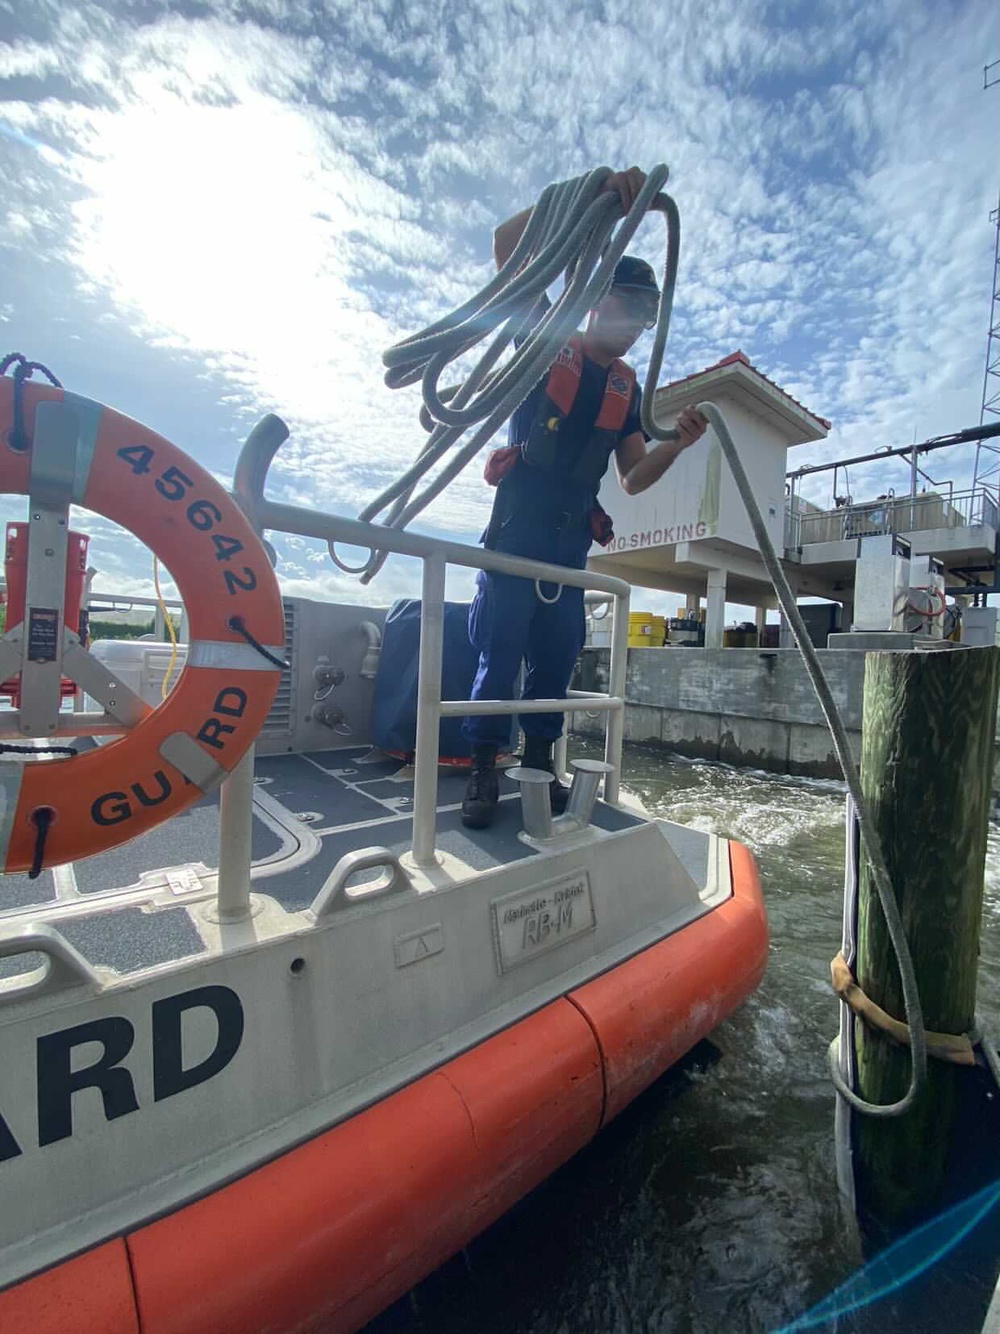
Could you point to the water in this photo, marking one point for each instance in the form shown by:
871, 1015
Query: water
711, 1204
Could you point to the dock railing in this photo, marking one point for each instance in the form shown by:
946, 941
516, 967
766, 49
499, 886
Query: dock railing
436, 556
929, 510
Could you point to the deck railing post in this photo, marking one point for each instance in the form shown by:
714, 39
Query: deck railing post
616, 689
235, 828
428, 709
236, 794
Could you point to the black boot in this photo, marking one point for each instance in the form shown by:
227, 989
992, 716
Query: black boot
538, 755
483, 789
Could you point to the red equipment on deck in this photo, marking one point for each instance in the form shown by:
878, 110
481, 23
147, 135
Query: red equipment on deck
16, 574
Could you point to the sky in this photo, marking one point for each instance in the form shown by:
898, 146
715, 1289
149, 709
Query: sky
212, 211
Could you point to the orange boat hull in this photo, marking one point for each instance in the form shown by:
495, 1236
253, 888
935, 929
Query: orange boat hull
332, 1232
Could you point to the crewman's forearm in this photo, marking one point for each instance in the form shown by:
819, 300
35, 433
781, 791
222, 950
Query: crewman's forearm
652, 467
507, 235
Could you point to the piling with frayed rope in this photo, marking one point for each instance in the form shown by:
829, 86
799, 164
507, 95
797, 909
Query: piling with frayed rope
926, 771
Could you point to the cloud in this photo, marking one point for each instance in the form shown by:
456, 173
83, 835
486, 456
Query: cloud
271, 193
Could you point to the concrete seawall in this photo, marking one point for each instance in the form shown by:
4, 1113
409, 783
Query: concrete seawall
751, 707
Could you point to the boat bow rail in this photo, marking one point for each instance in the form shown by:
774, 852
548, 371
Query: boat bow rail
249, 485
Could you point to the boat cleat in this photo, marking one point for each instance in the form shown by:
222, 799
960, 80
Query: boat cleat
540, 826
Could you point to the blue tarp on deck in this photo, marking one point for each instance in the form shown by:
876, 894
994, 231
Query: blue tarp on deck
394, 715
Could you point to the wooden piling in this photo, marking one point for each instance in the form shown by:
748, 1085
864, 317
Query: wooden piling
926, 772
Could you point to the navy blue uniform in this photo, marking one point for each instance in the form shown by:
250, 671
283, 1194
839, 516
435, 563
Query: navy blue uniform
544, 516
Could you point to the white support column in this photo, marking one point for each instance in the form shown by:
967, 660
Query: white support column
760, 618
715, 615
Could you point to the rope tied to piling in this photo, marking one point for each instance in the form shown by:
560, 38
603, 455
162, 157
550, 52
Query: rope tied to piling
955, 1048
872, 846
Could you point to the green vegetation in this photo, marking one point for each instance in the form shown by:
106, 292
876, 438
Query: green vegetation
127, 630
111, 629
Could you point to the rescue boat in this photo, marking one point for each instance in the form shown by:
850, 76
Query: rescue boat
279, 1034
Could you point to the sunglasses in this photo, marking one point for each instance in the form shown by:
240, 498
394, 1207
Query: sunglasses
640, 308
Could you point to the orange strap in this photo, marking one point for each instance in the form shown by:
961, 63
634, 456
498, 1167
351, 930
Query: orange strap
563, 384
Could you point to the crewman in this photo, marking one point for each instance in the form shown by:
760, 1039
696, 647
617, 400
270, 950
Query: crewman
547, 478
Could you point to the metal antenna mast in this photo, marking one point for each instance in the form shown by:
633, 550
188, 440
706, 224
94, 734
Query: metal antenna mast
988, 453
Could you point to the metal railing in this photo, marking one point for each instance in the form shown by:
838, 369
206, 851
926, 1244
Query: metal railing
114, 603
248, 488
975, 508
84, 722
793, 528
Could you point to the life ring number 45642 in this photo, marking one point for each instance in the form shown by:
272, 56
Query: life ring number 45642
202, 515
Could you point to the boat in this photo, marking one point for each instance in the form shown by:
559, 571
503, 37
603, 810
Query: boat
279, 1033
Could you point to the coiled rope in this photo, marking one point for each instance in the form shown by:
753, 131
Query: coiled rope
571, 231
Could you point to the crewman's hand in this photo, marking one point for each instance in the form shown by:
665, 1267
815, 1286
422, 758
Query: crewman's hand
627, 183
692, 425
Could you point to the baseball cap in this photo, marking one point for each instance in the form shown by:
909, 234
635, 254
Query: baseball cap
635, 275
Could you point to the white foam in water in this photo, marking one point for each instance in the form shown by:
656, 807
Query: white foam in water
758, 824
991, 896
774, 1034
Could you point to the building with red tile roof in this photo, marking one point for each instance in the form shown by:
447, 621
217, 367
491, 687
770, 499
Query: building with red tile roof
689, 533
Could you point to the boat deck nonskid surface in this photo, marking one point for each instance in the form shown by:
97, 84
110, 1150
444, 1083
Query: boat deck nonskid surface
124, 909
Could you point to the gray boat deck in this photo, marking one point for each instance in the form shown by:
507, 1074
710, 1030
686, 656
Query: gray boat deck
310, 811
